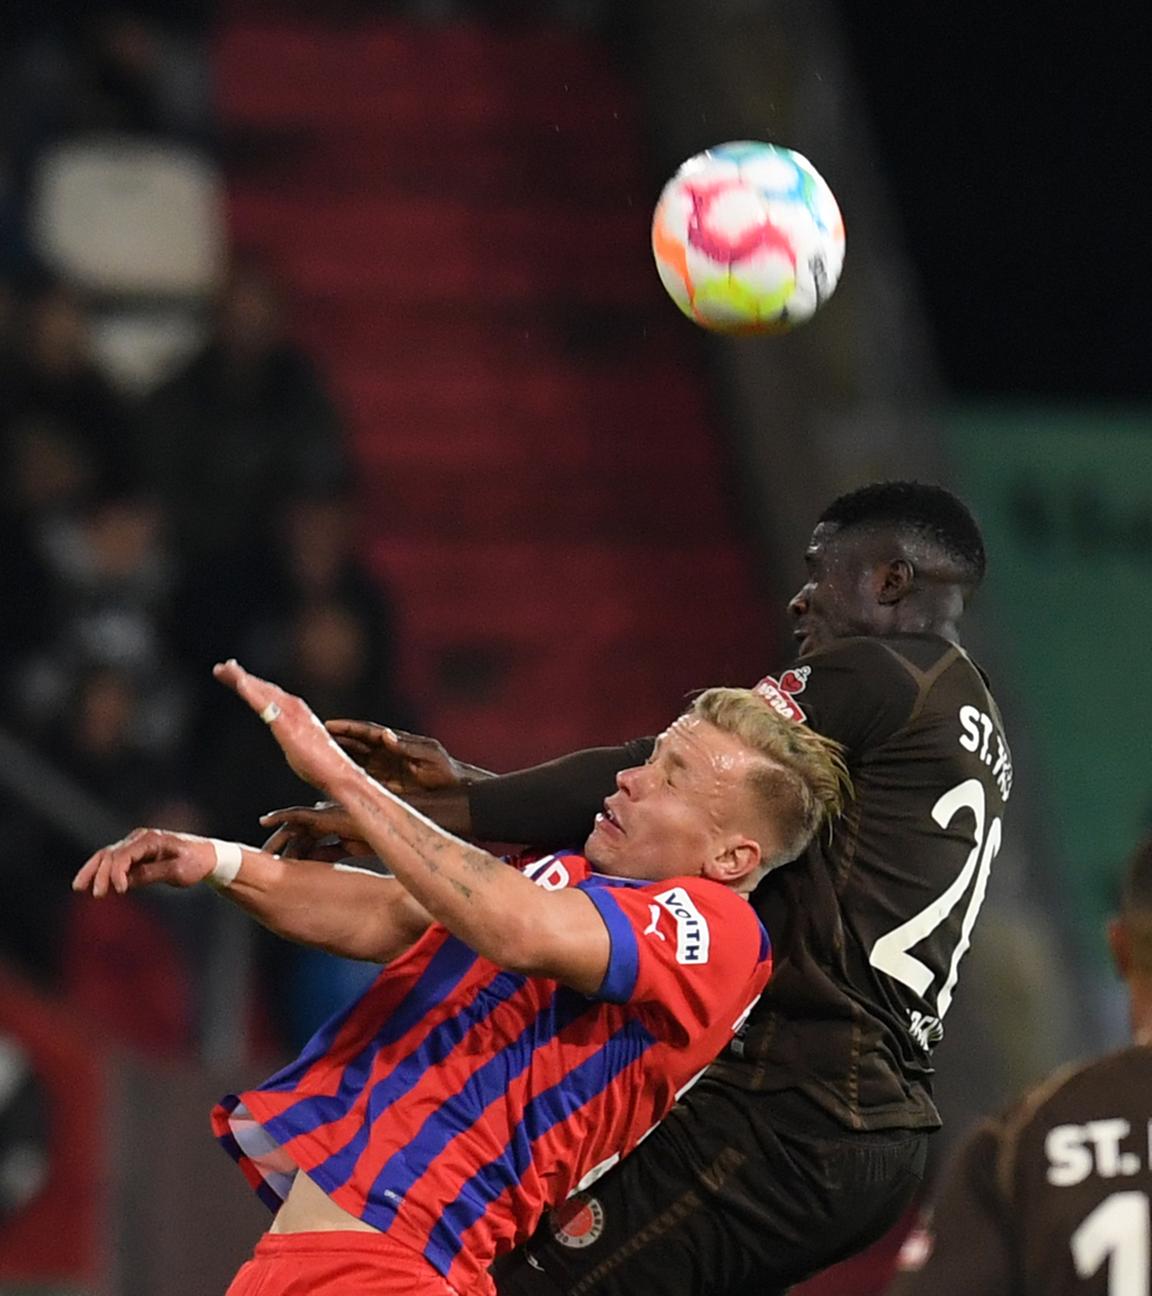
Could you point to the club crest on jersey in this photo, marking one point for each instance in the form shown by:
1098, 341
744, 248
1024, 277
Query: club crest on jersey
579, 1222
780, 694
692, 935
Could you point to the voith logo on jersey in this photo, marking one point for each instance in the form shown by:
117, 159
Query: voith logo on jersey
692, 935
780, 694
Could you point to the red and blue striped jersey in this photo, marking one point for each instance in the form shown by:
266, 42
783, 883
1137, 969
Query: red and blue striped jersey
455, 1102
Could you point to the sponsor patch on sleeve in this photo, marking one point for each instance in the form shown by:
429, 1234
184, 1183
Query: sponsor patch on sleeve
780, 694
692, 935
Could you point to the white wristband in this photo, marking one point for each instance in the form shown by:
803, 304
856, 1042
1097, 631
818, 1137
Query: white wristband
229, 857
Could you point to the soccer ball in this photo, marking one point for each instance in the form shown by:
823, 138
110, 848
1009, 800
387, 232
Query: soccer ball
748, 238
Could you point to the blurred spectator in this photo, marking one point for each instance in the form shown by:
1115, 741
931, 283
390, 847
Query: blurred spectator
64, 439
75, 68
245, 423
97, 695
306, 612
145, 75
324, 627
44, 476
321, 616
127, 966
108, 579
100, 742
140, 544
106, 745
50, 378
323, 649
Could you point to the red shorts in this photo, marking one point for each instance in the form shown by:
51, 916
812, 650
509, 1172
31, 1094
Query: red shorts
336, 1264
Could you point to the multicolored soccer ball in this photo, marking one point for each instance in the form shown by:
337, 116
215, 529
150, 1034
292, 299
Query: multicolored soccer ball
748, 238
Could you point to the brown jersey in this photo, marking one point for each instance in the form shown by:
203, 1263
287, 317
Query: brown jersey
869, 926
1052, 1198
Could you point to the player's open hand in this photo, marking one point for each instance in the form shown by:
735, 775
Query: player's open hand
403, 762
305, 742
147, 856
301, 832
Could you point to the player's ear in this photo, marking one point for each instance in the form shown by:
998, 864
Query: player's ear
894, 579
739, 857
1118, 943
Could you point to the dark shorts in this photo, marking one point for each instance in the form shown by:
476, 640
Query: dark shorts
724, 1199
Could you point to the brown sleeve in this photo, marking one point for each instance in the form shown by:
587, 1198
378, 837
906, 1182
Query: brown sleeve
965, 1245
551, 805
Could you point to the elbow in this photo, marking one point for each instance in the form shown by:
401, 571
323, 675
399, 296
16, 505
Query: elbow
396, 930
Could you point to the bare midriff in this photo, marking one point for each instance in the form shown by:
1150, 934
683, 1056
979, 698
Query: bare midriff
309, 1209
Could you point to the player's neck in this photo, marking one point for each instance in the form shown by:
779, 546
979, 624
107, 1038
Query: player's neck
926, 625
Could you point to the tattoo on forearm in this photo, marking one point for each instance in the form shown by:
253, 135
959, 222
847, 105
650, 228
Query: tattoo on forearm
426, 843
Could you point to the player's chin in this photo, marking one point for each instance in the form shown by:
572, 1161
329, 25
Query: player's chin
597, 851
806, 642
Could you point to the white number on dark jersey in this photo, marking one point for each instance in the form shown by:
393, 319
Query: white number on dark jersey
1116, 1233
890, 953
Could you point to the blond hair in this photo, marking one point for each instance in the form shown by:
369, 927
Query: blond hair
803, 781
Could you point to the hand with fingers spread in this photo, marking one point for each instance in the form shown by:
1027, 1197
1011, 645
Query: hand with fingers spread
290, 840
403, 762
310, 751
300, 830
145, 857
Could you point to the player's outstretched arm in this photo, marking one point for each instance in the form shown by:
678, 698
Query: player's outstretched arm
402, 762
490, 907
349, 912
549, 805
416, 768
553, 804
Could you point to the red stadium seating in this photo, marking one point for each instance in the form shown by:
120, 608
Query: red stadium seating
463, 214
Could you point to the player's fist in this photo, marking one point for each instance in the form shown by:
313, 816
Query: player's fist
143, 858
403, 762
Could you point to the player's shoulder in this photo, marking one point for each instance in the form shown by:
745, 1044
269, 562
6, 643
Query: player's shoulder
697, 891
1096, 1076
698, 901
1075, 1091
911, 655
697, 910
885, 665
927, 668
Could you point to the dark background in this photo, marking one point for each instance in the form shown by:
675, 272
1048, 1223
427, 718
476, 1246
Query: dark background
1015, 139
